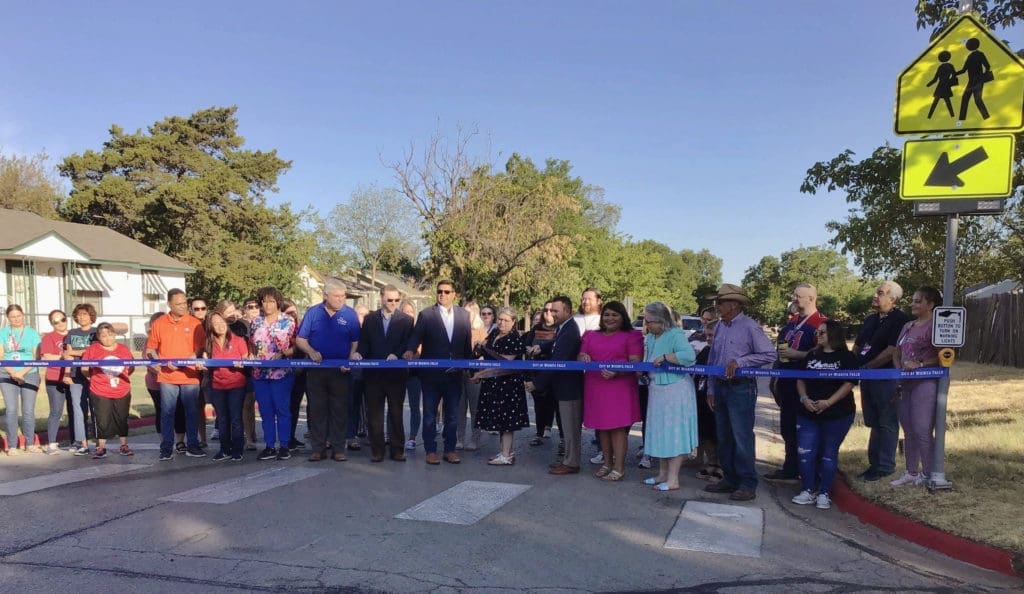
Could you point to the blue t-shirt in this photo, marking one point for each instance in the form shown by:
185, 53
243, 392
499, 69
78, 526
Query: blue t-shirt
19, 344
333, 335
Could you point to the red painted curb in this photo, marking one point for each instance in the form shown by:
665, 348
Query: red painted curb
64, 433
951, 545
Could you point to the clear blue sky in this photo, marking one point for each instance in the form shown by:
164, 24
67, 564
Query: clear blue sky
698, 118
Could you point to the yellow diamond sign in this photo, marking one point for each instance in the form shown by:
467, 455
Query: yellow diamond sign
969, 167
966, 81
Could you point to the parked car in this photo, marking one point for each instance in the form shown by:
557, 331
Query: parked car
690, 324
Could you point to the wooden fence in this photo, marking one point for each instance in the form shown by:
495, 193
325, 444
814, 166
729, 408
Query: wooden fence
995, 330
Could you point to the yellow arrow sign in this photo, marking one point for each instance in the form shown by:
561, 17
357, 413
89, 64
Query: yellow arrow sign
974, 167
967, 80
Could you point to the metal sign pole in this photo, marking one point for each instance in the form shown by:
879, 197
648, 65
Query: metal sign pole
937, 479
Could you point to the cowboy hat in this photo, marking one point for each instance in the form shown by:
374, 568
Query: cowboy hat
728, 292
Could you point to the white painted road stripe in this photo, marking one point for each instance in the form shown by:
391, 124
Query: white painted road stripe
466, 503
234, 489
57, 479
717, 528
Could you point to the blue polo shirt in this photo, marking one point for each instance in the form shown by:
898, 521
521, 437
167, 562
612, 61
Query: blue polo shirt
333, 335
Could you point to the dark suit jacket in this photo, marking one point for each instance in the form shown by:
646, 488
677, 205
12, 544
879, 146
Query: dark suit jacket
563, 385
373, 344
430, 334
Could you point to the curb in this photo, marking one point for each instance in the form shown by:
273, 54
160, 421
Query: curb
950, 545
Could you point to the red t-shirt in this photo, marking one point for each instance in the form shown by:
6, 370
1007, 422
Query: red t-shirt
228, 378
109, 381
53, 344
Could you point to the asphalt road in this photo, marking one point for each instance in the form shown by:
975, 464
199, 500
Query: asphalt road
296, 526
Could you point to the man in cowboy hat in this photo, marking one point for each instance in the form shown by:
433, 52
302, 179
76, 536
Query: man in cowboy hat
739, 342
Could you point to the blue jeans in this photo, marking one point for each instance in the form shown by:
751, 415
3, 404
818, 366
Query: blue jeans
169, 395
275, 400
734, 420
228, 404
414, 393
25, 394
817, 437
80, 404
58, 392
881, 415
447, 391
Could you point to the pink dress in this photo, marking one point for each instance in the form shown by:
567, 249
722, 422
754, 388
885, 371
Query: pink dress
611, 403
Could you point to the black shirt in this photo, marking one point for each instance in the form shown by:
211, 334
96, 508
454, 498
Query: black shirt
877, 333
823, 389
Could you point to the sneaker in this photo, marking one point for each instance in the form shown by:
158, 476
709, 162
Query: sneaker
459, 446
283, 454
53, 449
805, 498
411, 444
823, 502
220, 457
195, 453
354, 445
125, 450
165, 456
598, 459
645, 461
268, 454
908, 478
81, 451
180, 447
876, 476
202, 445
236, 458
100, 454
33, 449
295, 445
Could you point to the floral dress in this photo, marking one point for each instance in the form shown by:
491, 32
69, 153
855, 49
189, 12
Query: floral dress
269, 339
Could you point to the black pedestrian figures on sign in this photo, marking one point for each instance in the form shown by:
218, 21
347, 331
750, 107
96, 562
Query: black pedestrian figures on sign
944, 81
978, 73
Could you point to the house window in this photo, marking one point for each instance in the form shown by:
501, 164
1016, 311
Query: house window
95, 298
154, 292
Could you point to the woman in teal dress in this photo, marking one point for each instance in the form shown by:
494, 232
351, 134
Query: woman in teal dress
672, 404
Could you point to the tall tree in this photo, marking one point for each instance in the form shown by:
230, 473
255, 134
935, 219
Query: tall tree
188, 188
27, 183
376, 224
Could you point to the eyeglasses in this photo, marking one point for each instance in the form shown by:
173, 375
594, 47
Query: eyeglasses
252, 306
393, 300
445, 291
198, 309
59, 321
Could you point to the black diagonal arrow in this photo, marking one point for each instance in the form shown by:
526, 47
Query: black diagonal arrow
946, 174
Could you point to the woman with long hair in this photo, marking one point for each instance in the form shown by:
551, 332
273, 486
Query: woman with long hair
19, 385
611, 399
413, 388
917, 396
226, 390
825, 415
75, 343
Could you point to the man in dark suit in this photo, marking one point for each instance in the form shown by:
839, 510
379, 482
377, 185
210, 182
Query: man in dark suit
565, 386
385, 334
442, 331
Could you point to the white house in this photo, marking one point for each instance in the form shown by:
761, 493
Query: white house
47, 265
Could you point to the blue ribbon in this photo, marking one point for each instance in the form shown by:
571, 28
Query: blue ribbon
444, 364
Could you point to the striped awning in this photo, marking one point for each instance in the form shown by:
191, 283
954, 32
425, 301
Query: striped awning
90, 278
152, 284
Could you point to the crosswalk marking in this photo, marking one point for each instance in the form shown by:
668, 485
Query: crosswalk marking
47, 481
465, 504
717, 528
232, 490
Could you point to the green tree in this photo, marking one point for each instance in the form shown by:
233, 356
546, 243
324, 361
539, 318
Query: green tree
27, 183
188, 188
374, 229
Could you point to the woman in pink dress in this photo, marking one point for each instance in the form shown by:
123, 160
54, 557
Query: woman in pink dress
611, 399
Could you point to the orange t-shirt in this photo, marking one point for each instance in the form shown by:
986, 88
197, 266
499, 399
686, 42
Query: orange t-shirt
180, 339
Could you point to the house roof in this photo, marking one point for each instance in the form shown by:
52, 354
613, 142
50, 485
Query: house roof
386, 278
101, 244
987, 290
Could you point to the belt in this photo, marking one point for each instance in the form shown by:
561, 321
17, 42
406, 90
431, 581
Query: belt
736, 381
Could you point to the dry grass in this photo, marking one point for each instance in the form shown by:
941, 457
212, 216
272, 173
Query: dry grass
984, 460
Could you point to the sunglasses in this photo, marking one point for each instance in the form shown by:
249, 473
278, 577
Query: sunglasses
445, 291
198, 309
393, 300
252, 307
59, 321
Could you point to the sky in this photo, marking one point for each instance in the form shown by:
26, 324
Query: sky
700, 119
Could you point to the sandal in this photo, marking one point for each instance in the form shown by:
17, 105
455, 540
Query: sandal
614, 475
665, 487
602, 472
501, 460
